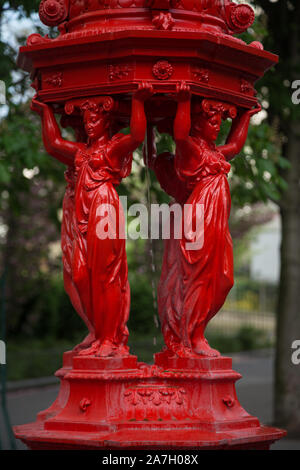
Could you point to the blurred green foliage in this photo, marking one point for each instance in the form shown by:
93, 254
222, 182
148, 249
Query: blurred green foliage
248, 338
251, 295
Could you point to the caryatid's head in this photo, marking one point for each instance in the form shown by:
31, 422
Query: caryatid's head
207, 118
96, 114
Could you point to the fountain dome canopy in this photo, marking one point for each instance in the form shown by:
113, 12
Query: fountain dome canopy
225, 15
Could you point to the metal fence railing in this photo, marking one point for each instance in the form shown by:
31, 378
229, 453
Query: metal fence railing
230, 323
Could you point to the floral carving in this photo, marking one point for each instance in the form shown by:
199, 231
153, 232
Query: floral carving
55, 79
162, 70
52, 12
37, 39
201, 74
241, 16
84, 404
163, 21
246, 87
228, 401
157, 396
117, 72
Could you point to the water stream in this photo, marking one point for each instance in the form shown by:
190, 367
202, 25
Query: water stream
151, 249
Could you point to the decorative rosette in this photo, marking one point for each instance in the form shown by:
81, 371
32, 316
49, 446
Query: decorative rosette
162, 70
240, 17
53, 12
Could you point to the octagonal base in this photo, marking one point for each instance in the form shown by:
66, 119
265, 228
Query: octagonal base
116, 403
35, 437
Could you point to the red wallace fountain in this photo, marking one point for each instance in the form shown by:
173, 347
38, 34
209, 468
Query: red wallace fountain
174, 65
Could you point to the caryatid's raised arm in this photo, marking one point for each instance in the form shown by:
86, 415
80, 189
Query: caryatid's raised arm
65, 151
185, 145
138, 124
182, 126
61, 149
182, 122
238, 133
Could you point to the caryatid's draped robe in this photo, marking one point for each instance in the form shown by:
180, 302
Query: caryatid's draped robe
195, 282
105, 262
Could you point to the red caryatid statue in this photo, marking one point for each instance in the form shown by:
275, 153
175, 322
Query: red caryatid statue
95, 268
195, 282
174, 65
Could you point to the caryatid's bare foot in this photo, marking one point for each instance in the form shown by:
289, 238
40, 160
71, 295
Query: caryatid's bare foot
179, 350
90, 351
105, 349
109, 349
202, 348
184, 352
88, 341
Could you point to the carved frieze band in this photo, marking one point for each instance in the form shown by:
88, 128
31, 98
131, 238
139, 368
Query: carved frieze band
156, 396
118, 72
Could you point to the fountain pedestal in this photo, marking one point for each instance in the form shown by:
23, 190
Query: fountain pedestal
122, 404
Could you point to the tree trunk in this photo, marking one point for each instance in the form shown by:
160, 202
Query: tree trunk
287, 375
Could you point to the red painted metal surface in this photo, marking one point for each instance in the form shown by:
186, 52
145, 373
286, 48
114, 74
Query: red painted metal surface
195, 283
178, 403
176, 65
